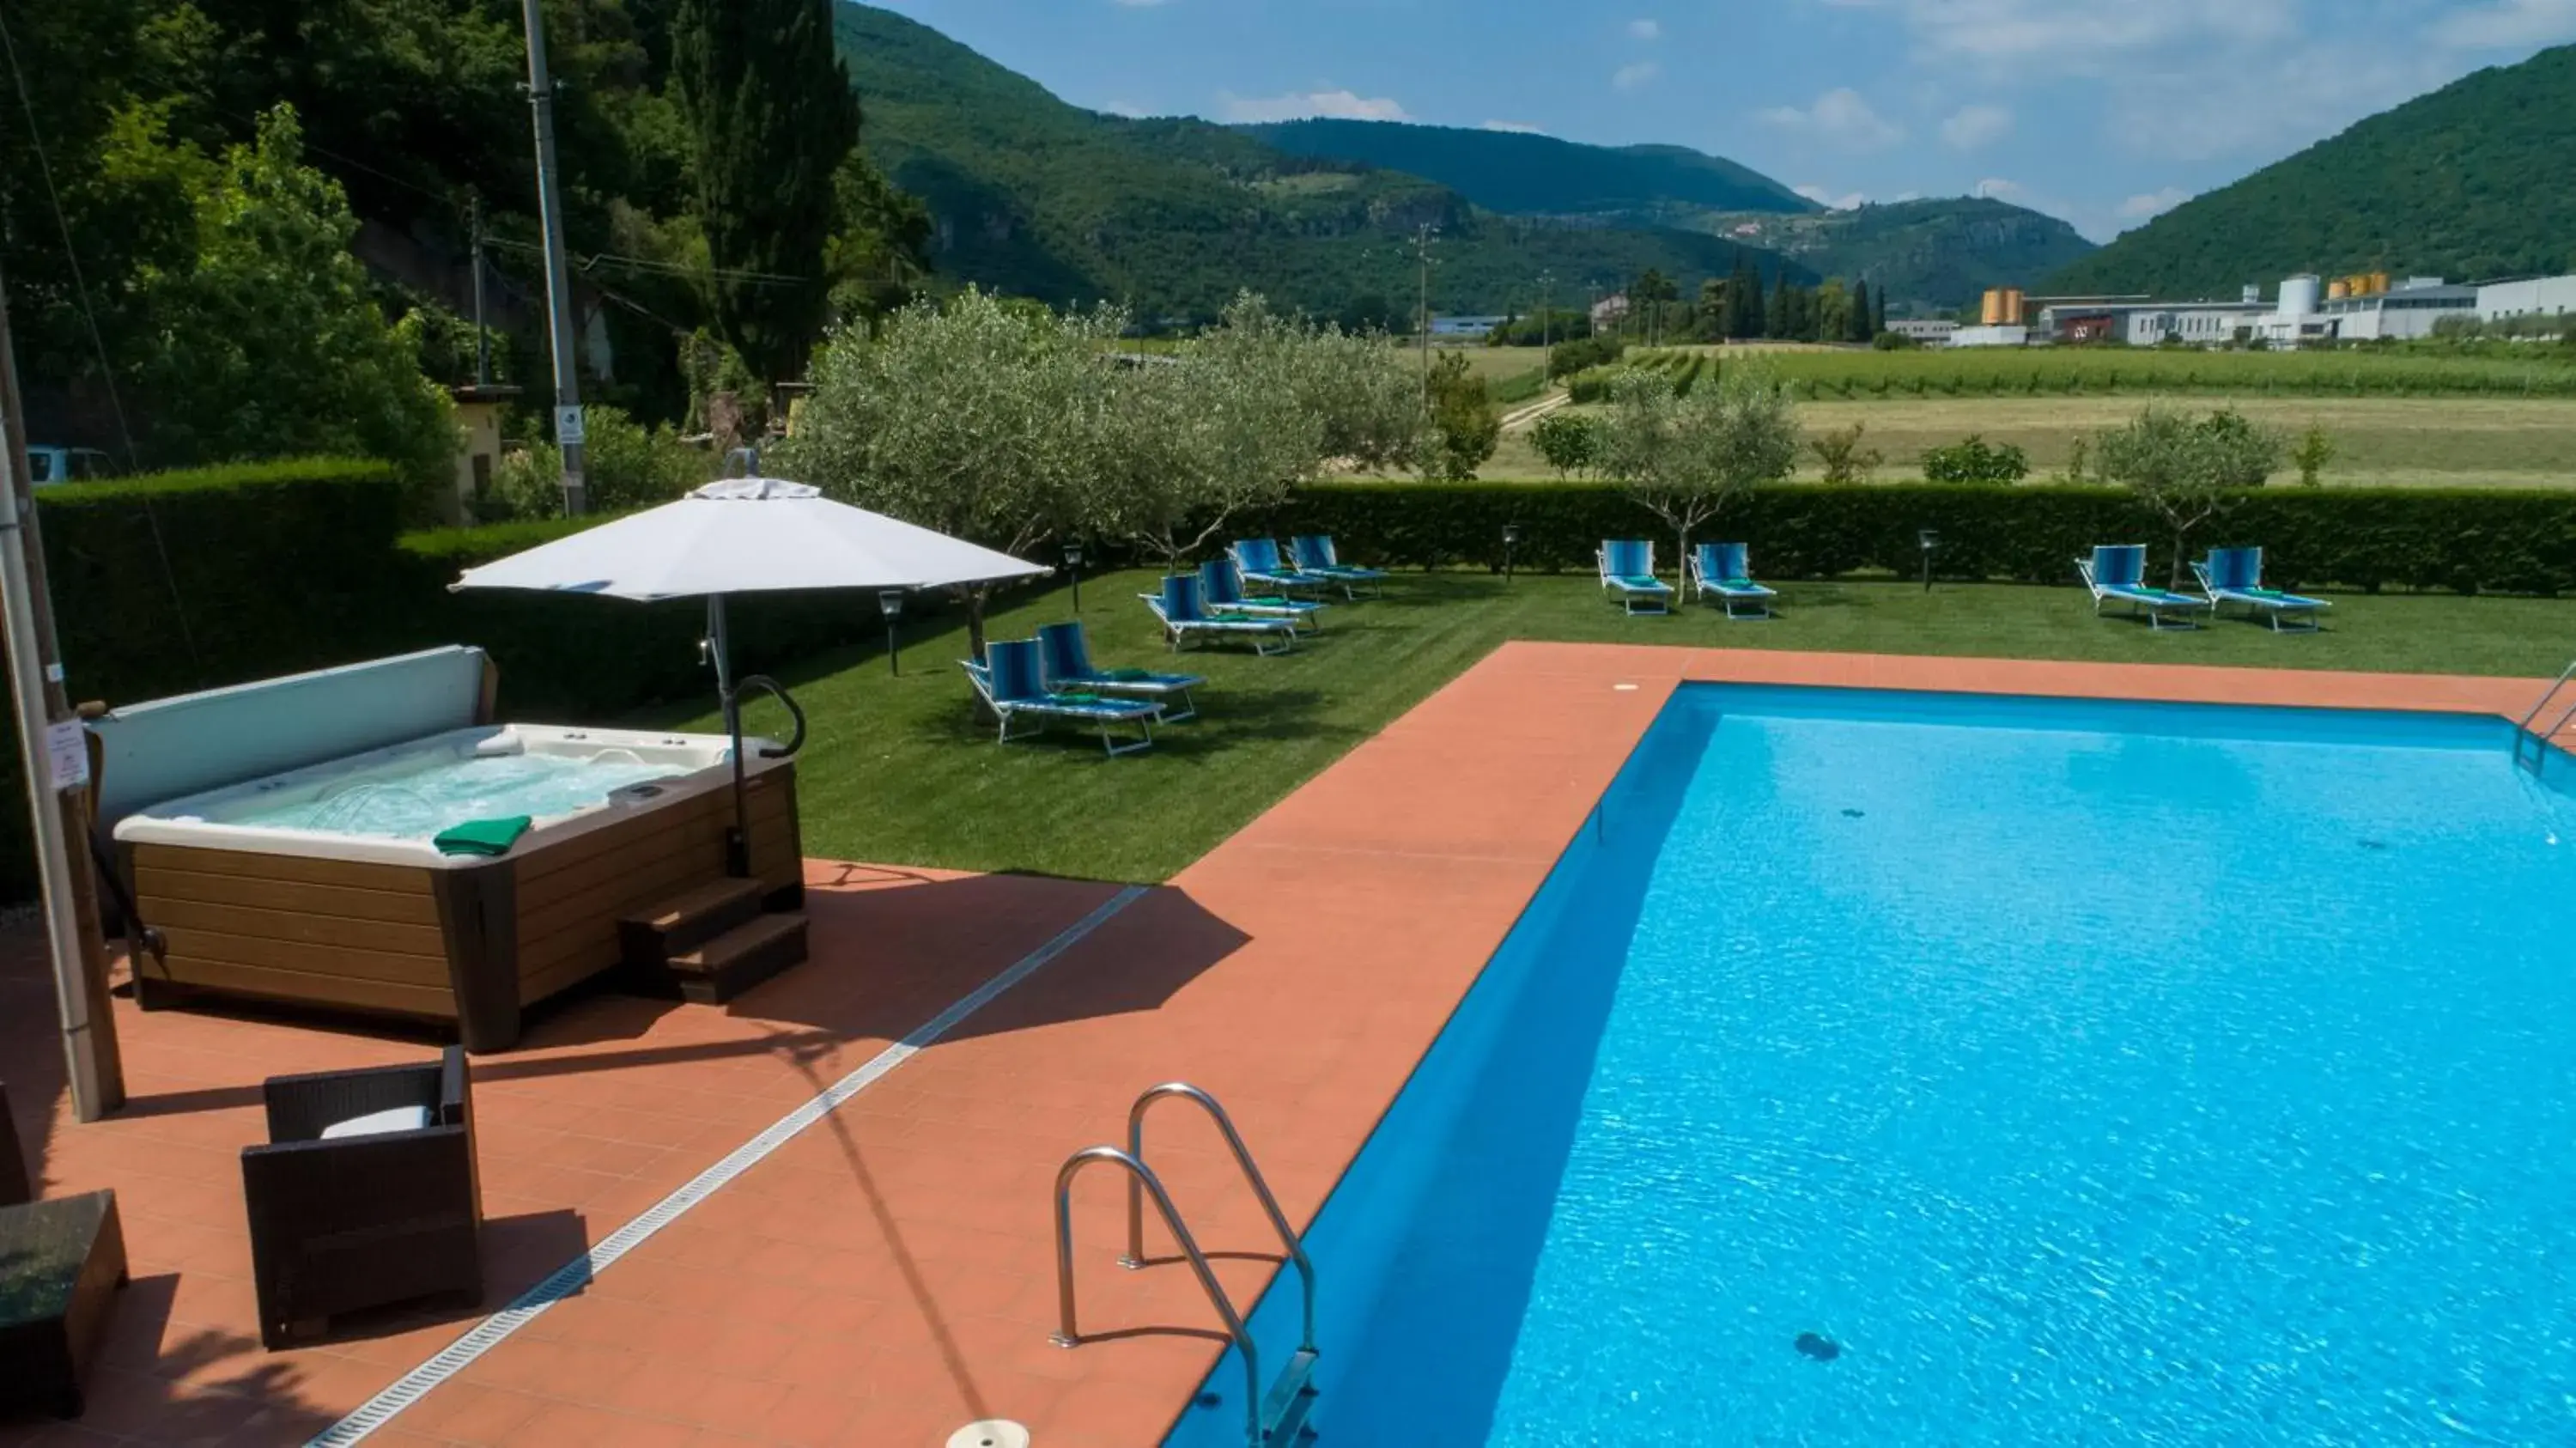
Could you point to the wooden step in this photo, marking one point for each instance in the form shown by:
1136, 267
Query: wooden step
740, 958
650, 937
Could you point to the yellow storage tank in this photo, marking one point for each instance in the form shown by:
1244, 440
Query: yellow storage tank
2012, 306
2338, 289
1991, 311
2378, 283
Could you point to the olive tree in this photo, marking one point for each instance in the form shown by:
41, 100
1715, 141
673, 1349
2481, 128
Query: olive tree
1685, 458
1217, 431
2189, 470
979, 418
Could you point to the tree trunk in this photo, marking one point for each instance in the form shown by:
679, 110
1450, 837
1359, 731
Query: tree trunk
975, 622
1681, 552
2181, 532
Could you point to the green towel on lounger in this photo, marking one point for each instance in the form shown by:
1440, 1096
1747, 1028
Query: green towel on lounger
482, 837
1642, 583
1129, 676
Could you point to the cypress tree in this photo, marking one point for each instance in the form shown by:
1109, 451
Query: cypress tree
1878, 312
1857, 328
1744, 296
1783, 312
771, 116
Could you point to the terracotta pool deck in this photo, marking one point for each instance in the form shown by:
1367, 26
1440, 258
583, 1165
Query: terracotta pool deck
888, 1274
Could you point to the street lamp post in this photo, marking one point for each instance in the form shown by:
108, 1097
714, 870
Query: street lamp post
890, 604
1930, 540
1073, 566
1511, 536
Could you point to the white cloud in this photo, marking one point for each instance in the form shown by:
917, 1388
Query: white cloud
1339, 105
1518, 128
1823, 196
1630, 77
2001, 189
2081, 36
1839, 118
1129, 109
2150, 204
2509, 25
1646, 29
1973, 126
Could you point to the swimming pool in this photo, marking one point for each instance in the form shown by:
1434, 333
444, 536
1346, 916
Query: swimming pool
1889, 1068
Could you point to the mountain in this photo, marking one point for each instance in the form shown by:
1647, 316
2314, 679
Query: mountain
1533, 175
1030, 195
1929, 253
1937, 253
2468, 182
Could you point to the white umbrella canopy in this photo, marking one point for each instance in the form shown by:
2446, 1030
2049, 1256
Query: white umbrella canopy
748, 535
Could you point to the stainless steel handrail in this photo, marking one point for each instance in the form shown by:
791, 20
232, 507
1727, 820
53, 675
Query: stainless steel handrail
1138, 1174
2540, 738
1251, 1174
2564, 675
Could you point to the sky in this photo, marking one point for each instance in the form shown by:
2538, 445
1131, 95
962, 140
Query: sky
2104, 112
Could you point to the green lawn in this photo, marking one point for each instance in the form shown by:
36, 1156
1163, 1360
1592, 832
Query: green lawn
902, 771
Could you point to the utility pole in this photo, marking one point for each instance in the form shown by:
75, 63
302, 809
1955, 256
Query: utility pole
1546, 308
1422, 255
482, 338
568, 424
55, 753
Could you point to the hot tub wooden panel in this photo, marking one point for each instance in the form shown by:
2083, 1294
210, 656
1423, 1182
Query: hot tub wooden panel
289, 927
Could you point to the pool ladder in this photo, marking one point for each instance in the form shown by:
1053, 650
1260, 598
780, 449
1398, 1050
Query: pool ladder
2537, 740
1272, 1419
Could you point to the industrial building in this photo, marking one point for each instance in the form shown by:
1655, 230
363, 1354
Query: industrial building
1930, 331
2528, 297
2368, 309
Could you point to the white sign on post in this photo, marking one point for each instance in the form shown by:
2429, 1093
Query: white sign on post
569, 431
67, 751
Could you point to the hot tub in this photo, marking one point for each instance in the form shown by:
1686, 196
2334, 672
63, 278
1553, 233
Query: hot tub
319, 884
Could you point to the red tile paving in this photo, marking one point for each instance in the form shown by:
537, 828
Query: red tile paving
888, 1275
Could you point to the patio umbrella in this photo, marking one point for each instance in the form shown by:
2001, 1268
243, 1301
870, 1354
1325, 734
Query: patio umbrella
747, 535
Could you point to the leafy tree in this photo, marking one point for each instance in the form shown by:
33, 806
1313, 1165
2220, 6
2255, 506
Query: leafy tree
1709, 325
1782, 314
1685, 458
1465, 427
1189, 446
1844, 459
978, 419
2189, 471
1569, 441
1744, 311
265, 340
629, 465
1363, 394
771, 117
1651, 291
1567, 358
2314, 451
1974, 460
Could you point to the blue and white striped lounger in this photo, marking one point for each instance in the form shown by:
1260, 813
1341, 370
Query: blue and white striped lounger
1185, 616
1628, 569
1259, 561
2117, 574
1314, 554
1013, 686
1064, 662
2235, 575
1221, 589
1724, 571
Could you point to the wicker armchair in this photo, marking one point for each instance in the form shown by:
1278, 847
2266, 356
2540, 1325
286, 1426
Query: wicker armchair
363, 1221
15, 1187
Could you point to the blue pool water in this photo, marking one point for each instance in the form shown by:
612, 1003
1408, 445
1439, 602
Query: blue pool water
420, 796
2059, 1072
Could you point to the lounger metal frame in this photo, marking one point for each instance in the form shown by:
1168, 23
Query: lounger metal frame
2308, 613
1042, 712
2180, 605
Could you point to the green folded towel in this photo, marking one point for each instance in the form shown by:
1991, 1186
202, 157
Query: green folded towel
1644, 584
1129, 676
1740, 583
2262, 593
1235, 616
1077, 698
1269, 602
482, 837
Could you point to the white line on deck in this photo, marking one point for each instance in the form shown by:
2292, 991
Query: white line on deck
568, 1279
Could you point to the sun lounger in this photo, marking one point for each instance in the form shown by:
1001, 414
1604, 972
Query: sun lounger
1628, 570
1013, 687
1314, 554
2116, 573
1064, 664
1259, 561
2235, 575
1186, 616
1724, 571
1221, 589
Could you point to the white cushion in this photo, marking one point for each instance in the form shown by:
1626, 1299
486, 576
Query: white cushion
400, 1118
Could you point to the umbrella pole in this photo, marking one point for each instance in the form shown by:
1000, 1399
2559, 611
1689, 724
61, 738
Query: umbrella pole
738, 834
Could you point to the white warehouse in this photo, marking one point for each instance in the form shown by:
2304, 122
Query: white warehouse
2532, 297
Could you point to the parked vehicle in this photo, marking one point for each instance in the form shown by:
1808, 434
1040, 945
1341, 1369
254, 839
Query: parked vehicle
50, 465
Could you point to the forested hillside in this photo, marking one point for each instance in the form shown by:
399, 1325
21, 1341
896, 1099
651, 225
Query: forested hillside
1172, 217
1540, 175
2469, 182
1940, 253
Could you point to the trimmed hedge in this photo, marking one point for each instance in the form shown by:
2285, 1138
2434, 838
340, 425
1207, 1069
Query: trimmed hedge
2464, 540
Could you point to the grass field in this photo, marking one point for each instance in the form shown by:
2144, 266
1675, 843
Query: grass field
901, 771
2380, 441
2536, 371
